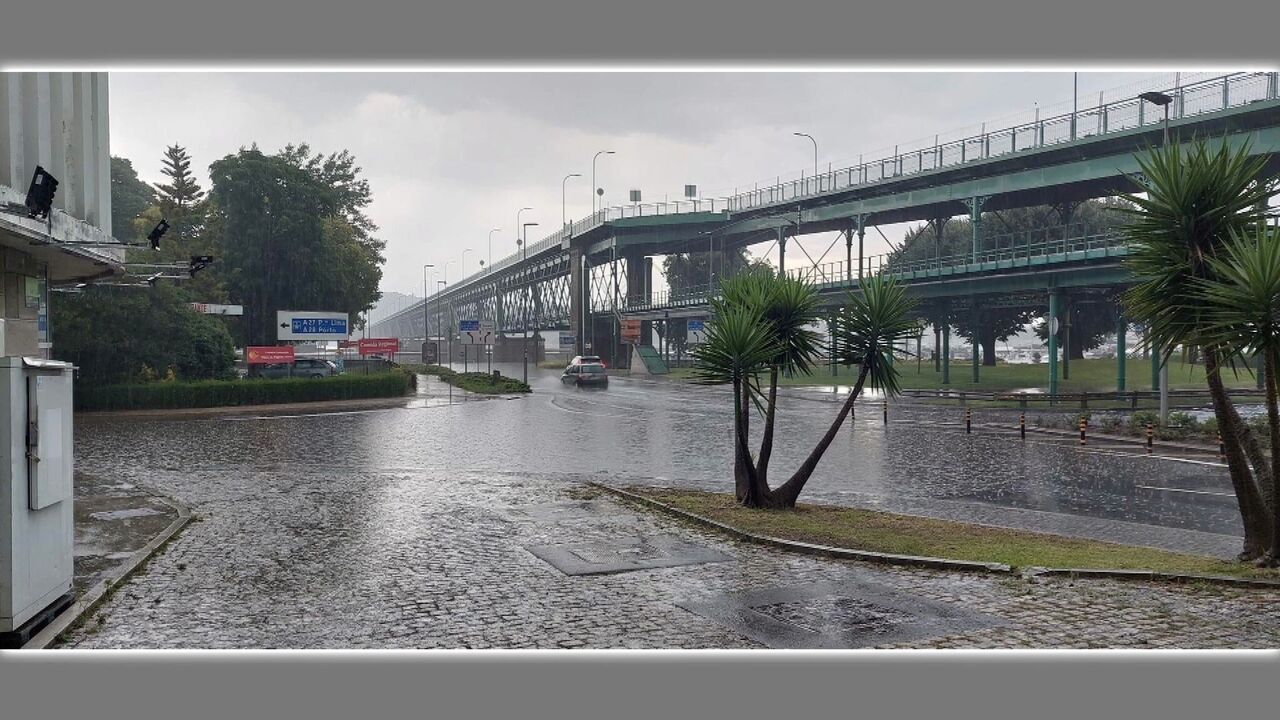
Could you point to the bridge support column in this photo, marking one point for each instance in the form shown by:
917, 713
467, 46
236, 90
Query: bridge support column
639, 281
577, 306
1122, 327
974, 340
782, 252
939, 230
1053, 342
1066, 341
946, 346
862, 234
975, 221
848, 256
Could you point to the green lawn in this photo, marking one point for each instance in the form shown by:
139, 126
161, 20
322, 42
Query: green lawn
877, 531
1086, 376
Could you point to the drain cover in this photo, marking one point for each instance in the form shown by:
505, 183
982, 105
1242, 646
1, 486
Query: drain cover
849, 614
623, 555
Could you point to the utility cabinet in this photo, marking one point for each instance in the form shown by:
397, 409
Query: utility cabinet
37, 526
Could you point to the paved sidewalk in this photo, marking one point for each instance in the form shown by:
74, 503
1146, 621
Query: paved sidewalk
294, 557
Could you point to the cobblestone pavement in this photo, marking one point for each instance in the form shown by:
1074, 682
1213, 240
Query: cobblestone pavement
411, 528
297, 557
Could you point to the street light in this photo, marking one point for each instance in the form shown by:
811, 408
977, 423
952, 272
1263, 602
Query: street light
815, 150
524, 243
462, 271
440, 283
491, 232
1162, 100
563, 219
426, 332
518, 225
593, 177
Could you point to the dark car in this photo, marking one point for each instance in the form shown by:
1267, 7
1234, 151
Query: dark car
302, 367
585, 374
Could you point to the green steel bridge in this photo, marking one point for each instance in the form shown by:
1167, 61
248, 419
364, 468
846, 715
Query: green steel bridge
592, 274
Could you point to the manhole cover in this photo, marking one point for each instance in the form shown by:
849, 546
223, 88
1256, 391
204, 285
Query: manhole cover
850, 614
836, 614
623, 555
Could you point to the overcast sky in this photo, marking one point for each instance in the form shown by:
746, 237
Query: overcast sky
451, 155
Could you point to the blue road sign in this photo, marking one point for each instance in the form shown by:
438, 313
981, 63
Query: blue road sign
468, 326
319, 326
696, 326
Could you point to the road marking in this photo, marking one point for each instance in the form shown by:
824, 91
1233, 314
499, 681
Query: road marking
1184, 490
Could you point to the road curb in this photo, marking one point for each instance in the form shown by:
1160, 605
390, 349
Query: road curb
941, 563
813, 548
98, 592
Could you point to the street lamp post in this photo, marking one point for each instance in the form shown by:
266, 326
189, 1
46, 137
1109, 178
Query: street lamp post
593, 177
439, 284
426, 332
462, 271
491, 232
524, 245
815, 151
449, 344
1162, 100
564, 220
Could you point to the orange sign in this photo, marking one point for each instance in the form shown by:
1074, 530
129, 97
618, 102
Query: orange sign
268, 354
631, 331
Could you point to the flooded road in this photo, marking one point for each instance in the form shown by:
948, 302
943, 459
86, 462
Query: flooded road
672, 433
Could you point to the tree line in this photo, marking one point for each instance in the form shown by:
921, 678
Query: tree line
288, 231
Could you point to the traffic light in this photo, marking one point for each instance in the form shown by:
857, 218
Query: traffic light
156, 233
40, 196
198, 263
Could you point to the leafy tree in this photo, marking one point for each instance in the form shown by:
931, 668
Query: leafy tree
1011, 228
130, 196
1196, 200
124, 334
293, 236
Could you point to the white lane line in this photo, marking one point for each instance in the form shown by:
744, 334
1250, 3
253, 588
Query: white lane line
1183, 490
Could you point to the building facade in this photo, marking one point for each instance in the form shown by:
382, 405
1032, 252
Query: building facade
58, 122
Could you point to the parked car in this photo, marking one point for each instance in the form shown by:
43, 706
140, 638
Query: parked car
302, 367
585, 374
586, 359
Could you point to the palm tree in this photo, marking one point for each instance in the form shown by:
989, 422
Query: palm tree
1195, 199
1244, 317
743, 343
788, 306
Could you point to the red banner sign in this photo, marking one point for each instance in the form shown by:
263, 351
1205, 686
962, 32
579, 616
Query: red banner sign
379, 346
631, 331
268, 354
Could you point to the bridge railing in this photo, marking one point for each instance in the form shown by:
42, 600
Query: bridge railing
1210, 95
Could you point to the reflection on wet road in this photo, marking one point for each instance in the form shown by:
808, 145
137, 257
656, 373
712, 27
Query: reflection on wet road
672, 433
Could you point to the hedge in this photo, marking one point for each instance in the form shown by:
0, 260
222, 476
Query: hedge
219, 393
476, 382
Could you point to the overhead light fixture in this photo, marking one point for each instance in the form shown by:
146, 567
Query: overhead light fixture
1157, 98
40, 195
198, 263
156, 233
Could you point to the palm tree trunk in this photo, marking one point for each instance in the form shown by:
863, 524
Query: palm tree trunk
1257, 528
1273, 419
788, 492
741, 480
766, 442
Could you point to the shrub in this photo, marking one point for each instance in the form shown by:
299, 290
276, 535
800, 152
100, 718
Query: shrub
218, 393
1142, 418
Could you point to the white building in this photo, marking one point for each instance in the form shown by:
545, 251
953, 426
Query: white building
57, 121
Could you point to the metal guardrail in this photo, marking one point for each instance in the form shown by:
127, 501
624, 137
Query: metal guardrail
1211, 95
1083, 398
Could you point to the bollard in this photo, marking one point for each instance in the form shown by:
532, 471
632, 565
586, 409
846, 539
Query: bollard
1022, 425
884, 407
1222, 449
1083, 424
1150, 436
968, 418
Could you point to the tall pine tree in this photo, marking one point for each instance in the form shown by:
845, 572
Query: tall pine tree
183, 192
